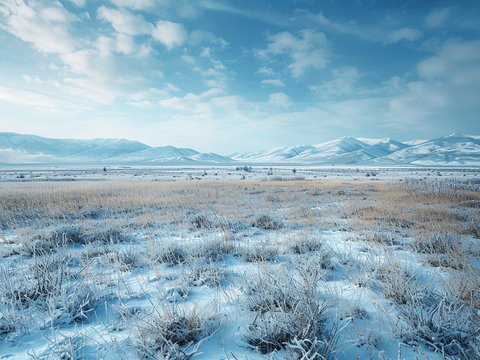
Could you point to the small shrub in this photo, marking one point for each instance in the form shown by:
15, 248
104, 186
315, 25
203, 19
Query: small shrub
73, 303
288, 315
398, 284
125, 258
170, 333
267, 222
443, 324
171, 254
203, 222
214, 249
259, 252
200, 272
110, 235
305, 244
437, 243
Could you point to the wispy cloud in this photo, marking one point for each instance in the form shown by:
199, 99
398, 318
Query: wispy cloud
273, 82
342, 82
37, 100
46, 27
437, 17
403, 34
306, 50
124, 22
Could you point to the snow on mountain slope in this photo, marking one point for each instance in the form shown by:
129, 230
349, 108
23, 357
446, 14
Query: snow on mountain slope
454, 150
415, 142
344, 150
169, 155
18, 148
32, 146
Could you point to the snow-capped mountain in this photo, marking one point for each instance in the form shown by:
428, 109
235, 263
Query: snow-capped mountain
165, 155
344, 150
31, 149
454, 150
451, 150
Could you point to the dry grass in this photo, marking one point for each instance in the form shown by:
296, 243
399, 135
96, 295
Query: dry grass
262, 222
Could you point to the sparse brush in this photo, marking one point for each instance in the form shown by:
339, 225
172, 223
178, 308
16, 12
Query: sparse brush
110, 235
437, 243
64, 348
213, 221
125, 258
260, 251
288, 315
444, 324
302, 245
40, 280
267, 222
212, 249
171, 333
465, 286
168, 253
398, 284
198, 272
73, 304
274, 291
63, 235
380, 237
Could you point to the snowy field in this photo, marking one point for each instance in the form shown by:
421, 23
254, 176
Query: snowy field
240, 172
239, 263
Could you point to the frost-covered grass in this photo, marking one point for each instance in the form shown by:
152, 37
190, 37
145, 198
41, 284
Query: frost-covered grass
251, 269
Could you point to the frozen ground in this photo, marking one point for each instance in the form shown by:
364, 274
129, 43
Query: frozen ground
161, 173
347, 267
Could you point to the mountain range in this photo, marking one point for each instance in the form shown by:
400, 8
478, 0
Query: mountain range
452, 150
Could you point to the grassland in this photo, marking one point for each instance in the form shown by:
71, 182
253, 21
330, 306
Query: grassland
240, 269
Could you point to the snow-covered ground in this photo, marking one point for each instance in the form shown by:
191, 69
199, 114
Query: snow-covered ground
174, 173
342, 265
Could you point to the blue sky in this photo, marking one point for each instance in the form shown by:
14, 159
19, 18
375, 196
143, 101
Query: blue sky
224, 75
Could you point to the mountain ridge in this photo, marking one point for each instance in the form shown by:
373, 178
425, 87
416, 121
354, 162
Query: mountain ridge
451, 150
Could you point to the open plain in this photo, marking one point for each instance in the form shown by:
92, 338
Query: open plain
240, 263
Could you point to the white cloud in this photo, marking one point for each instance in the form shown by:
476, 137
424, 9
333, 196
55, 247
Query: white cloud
46, 27
169, 33
264, 70
103, 77
215, 76
121, 43
343, 82
31, 79
78, 3
192, 102
198, 37
457, 62
135, 5
273, 82
403, 34
33, 99
280, 99
306, 51
437, 18
124, 22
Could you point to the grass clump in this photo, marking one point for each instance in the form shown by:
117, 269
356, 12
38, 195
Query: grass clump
267, 222
171, 333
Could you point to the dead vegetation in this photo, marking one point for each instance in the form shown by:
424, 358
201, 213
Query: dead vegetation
193, 238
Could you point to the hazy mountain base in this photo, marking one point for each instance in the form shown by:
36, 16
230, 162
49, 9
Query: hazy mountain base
241, 269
